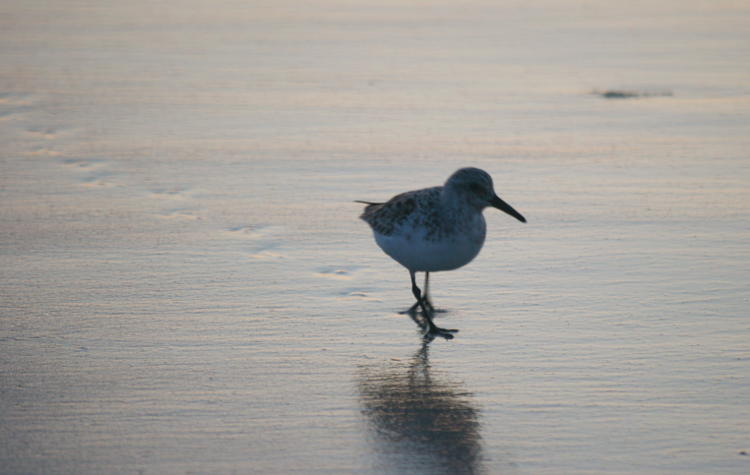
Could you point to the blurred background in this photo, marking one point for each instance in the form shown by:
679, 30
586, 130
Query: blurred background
185, 286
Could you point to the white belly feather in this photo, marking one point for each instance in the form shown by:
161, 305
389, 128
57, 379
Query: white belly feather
411, 249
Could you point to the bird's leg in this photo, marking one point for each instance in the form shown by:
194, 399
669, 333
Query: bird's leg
425, 299
426, 295
422, 298
432, 328
417, 294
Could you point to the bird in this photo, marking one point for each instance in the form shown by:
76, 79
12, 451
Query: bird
436, 229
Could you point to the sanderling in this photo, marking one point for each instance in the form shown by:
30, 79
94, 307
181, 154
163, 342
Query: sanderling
436, 229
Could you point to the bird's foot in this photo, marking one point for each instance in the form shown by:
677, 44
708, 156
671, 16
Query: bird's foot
434, 331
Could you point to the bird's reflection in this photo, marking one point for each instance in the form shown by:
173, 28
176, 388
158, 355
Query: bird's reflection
420, 421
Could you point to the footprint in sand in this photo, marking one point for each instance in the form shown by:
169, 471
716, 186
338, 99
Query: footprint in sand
338, 273
265, 249
177, 192
345, 273
82, 163
98, 179
48, 133
266, 255
263, 238
12, 104
356, 294
183, 214
94, 174
255, 232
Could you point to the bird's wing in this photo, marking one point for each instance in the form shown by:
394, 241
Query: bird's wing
385, 217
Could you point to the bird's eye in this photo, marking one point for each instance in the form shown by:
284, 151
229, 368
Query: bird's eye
476, 188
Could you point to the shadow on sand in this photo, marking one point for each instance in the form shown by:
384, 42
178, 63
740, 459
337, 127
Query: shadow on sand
420, 422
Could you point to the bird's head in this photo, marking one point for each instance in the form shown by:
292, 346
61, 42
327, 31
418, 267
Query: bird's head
476, 187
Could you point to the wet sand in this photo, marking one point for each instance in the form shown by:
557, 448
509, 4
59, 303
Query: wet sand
185, 286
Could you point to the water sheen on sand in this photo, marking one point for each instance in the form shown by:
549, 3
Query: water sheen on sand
185, 286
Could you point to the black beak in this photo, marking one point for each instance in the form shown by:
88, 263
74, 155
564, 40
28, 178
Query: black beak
505, 207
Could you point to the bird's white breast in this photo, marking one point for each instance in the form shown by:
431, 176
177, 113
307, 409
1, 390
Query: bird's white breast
414, 249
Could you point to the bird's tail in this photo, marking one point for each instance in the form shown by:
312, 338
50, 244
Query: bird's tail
367, 202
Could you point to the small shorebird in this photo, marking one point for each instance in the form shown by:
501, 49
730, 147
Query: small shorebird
435, 229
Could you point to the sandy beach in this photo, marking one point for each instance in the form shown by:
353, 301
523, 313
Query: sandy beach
185, 285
